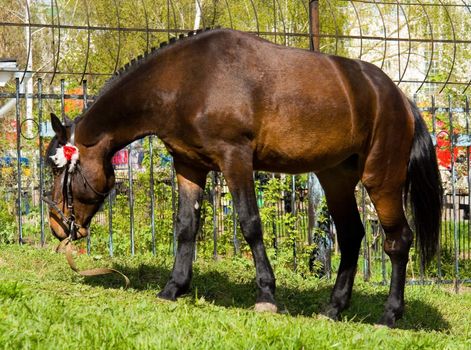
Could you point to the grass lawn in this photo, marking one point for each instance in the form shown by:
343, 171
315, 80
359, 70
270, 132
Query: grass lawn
44, 305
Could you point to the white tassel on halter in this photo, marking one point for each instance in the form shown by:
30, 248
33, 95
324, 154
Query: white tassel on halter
68, 154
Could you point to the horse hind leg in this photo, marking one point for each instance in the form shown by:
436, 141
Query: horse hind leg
339, 186
388, 203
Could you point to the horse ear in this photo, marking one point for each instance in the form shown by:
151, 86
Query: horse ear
58, 128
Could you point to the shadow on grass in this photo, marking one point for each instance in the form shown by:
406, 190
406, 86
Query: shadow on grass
217, 288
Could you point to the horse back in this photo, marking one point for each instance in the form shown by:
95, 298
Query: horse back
298, 110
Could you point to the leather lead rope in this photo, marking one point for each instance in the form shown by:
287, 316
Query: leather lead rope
67, 244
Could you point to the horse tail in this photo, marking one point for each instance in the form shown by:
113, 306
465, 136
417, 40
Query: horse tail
425, 188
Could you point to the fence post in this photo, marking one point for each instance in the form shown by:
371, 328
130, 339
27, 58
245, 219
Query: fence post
110, 222
453, 190
85, 105
439, 249
152, 195
366, 251
174, 211
18, 161
215, 228
131, 200
41, 160
311, 217
63, 100
294, 213
468, 149
314, 38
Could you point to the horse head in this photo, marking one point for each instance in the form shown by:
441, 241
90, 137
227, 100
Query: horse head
82, 178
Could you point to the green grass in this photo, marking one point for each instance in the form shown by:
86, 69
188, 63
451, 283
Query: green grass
44, 305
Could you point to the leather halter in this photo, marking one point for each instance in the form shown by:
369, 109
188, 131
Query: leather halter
69, 222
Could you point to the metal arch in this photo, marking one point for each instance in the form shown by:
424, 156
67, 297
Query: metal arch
336, 27
29, 41
282, 21
87, 53
359, 27
432, 43
34, 135
256, 17
119, 36
203, 20
454, 46
305, 7
229, 13
398, 41
384, 31
147, 24
410, 44
303, 3
56, 61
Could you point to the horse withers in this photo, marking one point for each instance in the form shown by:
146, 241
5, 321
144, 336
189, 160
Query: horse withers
229, 101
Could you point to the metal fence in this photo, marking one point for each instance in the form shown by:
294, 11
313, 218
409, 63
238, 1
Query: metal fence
138, 216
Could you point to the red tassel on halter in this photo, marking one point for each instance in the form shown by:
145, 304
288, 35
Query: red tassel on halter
69, 152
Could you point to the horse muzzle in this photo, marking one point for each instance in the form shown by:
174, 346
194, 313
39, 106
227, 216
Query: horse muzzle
61, 230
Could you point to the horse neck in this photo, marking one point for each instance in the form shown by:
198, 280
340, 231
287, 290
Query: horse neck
128, 111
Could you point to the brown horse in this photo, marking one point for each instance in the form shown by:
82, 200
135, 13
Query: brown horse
229, 101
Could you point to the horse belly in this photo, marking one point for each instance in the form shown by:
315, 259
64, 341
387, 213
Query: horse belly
307, 146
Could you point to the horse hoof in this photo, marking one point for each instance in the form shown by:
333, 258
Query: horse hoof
332, 313
266, 307
167, 296
387, 320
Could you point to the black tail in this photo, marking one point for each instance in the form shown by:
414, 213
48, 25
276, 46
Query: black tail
424, 184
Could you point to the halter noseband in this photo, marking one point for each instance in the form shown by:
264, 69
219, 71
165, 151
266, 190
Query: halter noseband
71, 166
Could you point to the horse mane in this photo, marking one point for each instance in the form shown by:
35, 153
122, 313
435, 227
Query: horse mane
132, 65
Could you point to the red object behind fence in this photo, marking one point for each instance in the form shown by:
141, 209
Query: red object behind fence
120, 157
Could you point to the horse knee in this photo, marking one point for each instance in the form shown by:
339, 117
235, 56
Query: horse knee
251, 228
398, 243
186, 228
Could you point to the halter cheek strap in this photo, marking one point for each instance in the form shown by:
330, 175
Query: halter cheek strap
72, 134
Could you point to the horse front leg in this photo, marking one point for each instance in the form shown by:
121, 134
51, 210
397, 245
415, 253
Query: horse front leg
238, 172
191, 184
